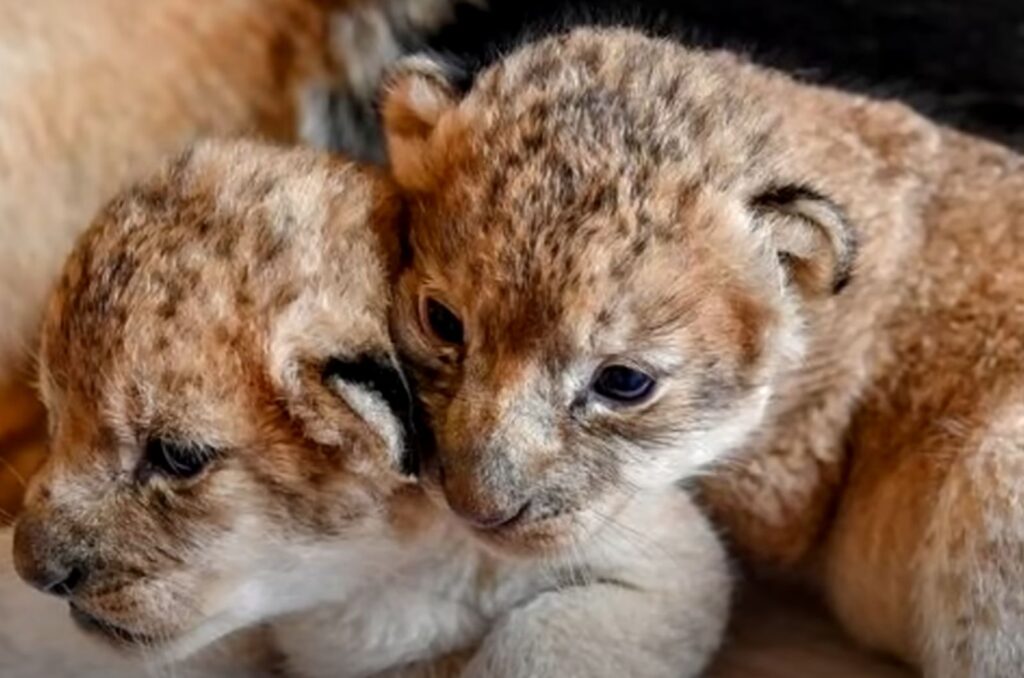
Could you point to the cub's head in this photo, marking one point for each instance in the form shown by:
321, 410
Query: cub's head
227, 420
609, 266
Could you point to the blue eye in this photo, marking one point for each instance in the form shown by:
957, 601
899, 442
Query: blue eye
623, 384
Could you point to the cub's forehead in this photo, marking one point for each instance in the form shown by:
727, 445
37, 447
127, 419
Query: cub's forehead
590, 173
598, 134
223, 238
620, 94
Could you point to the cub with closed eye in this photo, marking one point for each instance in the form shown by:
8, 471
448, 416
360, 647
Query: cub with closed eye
233, 443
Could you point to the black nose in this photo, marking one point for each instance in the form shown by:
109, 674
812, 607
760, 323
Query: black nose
53, 577
65, 581
41, 562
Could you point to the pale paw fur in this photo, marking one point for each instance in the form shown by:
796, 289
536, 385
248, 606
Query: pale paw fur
657, 606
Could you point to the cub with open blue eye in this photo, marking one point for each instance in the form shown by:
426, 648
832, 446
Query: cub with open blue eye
630, 258
590, 313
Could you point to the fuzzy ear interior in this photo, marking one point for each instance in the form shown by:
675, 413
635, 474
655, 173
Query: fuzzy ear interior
419, 91
329, 396
811, 234
334, 380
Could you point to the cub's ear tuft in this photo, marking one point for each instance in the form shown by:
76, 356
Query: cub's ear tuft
334, 400
811, 235
418, 93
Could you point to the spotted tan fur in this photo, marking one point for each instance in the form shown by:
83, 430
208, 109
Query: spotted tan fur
97, 93
234, 304
827, 287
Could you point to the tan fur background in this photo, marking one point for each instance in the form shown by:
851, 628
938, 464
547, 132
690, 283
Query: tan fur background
93, 93
200, 68
22, 444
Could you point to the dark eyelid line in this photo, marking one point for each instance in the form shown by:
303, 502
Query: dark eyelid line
166, 463
634, 363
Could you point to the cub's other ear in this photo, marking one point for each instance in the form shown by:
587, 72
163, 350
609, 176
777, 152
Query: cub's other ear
811, 235
418, 93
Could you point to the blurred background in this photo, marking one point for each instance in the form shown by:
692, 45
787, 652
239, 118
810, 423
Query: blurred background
961, 61
94, 93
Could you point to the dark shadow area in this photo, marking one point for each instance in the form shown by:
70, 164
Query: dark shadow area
959, 61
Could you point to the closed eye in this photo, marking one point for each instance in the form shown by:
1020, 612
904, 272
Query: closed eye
173, 458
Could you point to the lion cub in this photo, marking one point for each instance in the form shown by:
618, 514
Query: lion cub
233, 442
631, 259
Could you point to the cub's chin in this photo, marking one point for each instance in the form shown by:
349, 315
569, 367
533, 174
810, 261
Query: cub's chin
152, 639
545, 528
525, 539
144, 640
220, 645
118, 636
539, 534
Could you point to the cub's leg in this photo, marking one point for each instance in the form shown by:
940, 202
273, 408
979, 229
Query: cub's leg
927, 556
655, 604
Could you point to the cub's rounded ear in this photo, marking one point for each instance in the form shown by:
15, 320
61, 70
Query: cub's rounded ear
296, 370
332, 399
811, 235
418, 92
